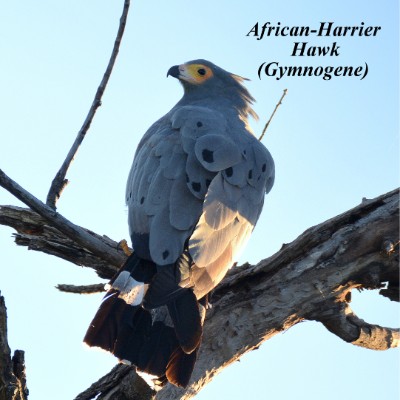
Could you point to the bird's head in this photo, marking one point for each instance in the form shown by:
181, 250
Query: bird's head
202, 79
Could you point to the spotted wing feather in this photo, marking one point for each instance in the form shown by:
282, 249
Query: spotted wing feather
231, 209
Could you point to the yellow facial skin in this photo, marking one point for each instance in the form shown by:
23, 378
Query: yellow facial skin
195, 73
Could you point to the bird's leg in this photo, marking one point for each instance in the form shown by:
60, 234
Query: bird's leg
123, 244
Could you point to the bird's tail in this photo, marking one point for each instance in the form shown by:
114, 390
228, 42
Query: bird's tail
148, 320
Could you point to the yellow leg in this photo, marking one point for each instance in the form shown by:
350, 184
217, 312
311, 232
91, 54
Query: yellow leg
123, 244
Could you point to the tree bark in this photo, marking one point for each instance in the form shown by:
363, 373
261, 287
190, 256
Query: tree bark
37, 233
12, 370
308, 279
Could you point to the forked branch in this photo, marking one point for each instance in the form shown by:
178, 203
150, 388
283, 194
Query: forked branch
80, 236
308, 279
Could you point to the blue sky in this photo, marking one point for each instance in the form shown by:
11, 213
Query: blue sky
334, 142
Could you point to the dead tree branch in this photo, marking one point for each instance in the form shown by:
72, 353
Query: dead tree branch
82, 289
59, 181
36, 233
12, 370
86, 239
272, 115
121, 382
308, 279
346, 325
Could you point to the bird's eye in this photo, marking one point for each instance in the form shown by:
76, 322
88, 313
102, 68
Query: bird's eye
201, 71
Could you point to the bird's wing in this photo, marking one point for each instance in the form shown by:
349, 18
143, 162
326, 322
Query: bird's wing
243, 172
162, 210
199, 181
167, 182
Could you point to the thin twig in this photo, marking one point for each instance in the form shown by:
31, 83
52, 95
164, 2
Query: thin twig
272, 115
81, 289
59, 181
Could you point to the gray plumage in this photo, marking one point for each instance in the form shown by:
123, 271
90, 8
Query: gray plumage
195, 191
199, 177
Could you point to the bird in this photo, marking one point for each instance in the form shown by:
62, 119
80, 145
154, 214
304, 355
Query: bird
194, 193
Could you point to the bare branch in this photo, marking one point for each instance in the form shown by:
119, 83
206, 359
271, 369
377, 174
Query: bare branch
59, 181
306, 279
82, 289
272, 115
37, 234
121, 383
88, 240
18, 363
302, 281
345, 324
12, 371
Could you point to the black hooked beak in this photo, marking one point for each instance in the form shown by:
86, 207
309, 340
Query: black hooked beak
173, 71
